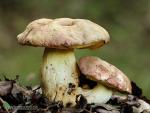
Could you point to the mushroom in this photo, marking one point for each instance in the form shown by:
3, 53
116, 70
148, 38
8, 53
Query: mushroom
107, 76
59, 73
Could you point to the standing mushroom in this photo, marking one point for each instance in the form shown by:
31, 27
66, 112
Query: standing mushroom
59, 73
107, 76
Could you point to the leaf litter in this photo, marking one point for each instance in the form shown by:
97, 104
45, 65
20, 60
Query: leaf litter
15, 98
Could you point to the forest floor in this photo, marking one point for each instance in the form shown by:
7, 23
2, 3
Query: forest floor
15, 98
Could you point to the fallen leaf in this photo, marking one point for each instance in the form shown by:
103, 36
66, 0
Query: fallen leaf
5, 87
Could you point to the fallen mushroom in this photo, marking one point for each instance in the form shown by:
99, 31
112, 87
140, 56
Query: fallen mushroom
108, 77
59, 73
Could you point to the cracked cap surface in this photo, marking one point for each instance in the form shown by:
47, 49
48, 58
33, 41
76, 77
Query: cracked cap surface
99, 70
64, 33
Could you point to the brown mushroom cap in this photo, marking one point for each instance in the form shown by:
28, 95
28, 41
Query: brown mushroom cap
99, 70
64, 33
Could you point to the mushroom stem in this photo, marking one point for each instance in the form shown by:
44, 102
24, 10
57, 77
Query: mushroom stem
59, 75
97, 95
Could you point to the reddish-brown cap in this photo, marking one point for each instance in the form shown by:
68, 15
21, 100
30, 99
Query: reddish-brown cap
99, 70
64, 33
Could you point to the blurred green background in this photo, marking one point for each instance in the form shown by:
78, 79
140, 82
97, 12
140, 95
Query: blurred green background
127, 21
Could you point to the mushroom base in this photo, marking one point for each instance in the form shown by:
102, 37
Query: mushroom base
59, 79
